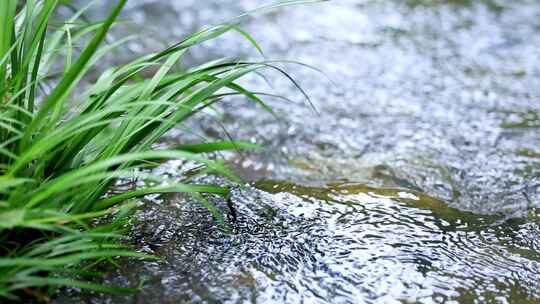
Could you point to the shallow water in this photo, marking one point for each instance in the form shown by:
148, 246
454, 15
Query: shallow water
418, 180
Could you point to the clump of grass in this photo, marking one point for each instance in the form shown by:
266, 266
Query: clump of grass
61, 154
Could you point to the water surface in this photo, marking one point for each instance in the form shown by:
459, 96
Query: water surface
417, 179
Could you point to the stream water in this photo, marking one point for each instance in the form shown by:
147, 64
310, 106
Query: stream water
416, 180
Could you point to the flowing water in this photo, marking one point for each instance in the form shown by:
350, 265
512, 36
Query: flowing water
417, 178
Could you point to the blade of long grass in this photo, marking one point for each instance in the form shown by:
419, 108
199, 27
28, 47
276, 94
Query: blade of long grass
35, 281
194, 99
177, 188
273, 6
29, 46
213, 210
75, 177
69, 259
216, 146
8, 182
7, 14
57, 97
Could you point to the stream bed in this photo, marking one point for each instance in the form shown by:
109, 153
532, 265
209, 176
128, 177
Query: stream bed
416, 179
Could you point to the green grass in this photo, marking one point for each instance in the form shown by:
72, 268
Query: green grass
61, 153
